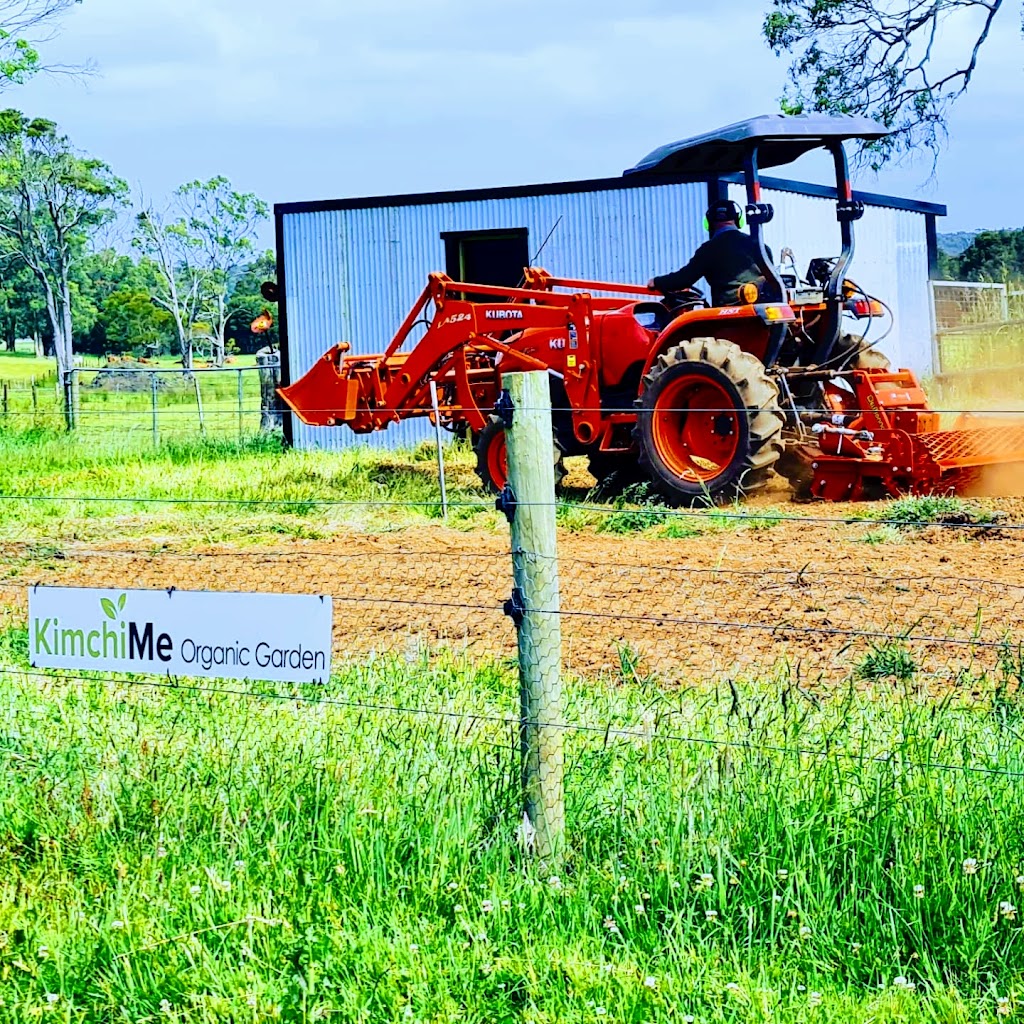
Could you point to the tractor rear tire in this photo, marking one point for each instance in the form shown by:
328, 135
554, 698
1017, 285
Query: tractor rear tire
709, 427
492, 457
865, 358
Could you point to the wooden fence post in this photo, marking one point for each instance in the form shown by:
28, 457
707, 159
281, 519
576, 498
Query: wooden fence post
529, 500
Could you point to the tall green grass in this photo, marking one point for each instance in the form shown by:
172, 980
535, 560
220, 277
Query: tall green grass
222, 489
167, 854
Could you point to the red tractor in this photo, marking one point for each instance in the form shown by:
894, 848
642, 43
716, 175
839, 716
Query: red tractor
704, 402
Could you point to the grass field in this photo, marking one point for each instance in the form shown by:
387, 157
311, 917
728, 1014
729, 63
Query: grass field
749, 852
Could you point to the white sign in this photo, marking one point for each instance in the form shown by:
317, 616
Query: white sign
283, 637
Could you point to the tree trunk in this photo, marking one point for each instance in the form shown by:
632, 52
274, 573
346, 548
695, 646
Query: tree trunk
39, 345
271, 407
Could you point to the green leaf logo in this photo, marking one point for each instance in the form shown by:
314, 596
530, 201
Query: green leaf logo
110, 609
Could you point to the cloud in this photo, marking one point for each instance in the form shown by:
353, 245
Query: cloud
315, 98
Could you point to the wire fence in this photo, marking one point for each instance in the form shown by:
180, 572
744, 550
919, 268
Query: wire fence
807, 618
149, 403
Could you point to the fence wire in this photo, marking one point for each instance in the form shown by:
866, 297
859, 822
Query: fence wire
624, 616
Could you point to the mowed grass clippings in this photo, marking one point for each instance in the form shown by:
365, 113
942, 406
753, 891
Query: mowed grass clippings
173, 854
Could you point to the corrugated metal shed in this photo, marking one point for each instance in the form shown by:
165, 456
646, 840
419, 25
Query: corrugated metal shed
352, 269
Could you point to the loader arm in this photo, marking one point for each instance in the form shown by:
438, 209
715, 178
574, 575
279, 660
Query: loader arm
459, 351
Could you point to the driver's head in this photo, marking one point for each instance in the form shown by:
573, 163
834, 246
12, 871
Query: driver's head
723, 213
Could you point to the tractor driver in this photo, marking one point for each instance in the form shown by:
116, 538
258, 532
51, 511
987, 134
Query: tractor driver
729, 258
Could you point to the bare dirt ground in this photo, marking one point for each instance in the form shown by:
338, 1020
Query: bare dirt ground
735, 602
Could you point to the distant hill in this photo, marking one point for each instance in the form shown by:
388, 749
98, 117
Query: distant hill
954, 242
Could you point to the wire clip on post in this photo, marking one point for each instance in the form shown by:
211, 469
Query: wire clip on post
506, 503
515, 606
504, 408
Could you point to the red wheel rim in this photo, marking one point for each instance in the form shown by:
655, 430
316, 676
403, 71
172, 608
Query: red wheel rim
497, 460
695, 428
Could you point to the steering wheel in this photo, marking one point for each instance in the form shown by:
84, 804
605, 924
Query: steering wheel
682, 299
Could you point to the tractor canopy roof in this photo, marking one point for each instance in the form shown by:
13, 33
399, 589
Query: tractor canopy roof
780, 138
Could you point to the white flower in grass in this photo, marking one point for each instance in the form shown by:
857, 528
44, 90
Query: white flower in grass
239, 865
814, 999
640, 909
195, 890
43, 952
650, 982
855, 948
600, 1011
711, 915
506, 904
805, 932
918, 892
905, 983
487, 906
706, 882
458, 908
609, 923
165, 1006
452, 886
555, 882
117, 925
782, 874
1008, 911
52, 997
161, 852
732, 986
1003, 1007
970, 866
689, 1019
413, 948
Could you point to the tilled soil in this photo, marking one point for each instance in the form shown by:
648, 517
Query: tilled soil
812, 598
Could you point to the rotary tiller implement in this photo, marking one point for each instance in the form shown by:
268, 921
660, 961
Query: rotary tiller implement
703, 402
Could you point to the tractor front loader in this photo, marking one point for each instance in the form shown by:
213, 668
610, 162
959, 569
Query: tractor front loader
704, 402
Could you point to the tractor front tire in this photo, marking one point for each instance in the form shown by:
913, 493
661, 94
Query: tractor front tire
492, 457
709, 427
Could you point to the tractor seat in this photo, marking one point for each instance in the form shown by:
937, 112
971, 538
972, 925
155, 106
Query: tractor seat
654, 316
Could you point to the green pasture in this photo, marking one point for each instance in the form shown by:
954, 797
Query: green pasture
169, 854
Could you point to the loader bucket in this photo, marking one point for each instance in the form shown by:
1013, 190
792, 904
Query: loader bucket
322, 397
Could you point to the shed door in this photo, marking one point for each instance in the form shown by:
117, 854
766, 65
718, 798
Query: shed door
487, 257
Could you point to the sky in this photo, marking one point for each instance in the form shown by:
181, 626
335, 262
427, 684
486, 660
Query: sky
316, 99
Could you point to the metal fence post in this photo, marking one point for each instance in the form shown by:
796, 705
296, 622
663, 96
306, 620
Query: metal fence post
35, 403
156, 415
440, 449
5, 406
69, 404
529, 501
241, 398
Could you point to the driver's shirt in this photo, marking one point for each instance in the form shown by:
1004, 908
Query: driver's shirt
727, 260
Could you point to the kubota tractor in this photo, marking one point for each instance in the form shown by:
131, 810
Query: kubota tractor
704, 402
